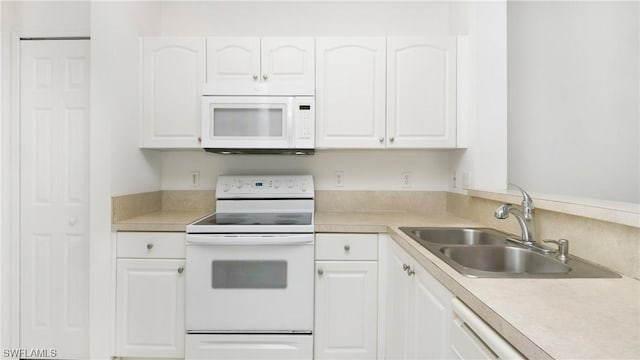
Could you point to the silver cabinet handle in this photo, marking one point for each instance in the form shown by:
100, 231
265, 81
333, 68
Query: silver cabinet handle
149, 246
410, 271
391, 139
381, 139
347, 247
264, 76
320, 272
405, 267
255, 76
180, 270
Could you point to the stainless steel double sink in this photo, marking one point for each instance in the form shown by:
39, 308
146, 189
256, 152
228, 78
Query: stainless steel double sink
483, 252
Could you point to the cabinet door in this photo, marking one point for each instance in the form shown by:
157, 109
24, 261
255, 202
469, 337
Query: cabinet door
288, 63
346, 310
350, 92
398, 294
421, 92
150, 308
173, 71
233, 62
431, 318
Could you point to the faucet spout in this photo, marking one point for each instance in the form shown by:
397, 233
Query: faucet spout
526, 225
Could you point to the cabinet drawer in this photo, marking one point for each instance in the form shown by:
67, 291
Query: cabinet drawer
346, 247
156, 245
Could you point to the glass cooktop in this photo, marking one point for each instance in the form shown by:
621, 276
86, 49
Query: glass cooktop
256, 219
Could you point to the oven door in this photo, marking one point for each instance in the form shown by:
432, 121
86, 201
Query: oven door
247, 122
249, 283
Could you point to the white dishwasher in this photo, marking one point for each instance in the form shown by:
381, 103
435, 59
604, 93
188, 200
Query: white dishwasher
472, 338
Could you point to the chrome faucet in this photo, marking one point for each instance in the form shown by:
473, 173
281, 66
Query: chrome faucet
525, 220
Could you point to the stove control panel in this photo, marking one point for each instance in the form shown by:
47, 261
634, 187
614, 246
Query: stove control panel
273, 186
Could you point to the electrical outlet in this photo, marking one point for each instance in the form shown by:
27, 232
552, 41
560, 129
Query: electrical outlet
195, 178
406, 179
338, 179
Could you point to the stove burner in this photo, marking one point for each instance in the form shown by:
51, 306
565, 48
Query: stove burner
256, 219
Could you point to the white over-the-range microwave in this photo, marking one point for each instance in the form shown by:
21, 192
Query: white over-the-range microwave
258, 123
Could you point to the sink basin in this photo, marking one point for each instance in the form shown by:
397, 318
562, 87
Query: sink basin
483, 252
504, 259
456, 236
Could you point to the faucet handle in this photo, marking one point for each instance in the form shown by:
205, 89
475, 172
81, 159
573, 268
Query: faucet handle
563, 248
527, 201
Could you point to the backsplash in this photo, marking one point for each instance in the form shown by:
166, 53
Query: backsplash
380, 201
612, 245
128, 206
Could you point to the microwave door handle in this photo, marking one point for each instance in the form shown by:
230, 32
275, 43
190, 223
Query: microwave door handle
242, 240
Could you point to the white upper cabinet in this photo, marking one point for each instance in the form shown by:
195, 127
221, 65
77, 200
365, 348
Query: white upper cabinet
350, 92
398, 92
253, 65
173, 71
421, 92
233, 60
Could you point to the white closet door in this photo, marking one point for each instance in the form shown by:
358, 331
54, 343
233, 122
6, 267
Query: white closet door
54, 189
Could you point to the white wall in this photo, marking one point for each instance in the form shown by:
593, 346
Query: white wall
574, 125
115, 31
485, 161
362, 169
117, 164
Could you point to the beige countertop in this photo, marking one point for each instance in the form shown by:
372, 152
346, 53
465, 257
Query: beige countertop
542, 318
164, 220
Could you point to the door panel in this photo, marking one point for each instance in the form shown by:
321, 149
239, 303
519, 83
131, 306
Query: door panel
350, 96
421, 88
54, 187
173, 71
346, 310
233, 60
150, 308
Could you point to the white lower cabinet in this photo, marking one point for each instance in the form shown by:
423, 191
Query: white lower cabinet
346, 297
150, 295
418, 310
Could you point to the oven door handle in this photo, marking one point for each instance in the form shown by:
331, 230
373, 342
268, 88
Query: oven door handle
246, 240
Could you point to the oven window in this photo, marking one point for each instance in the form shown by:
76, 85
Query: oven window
248, 122
248, 274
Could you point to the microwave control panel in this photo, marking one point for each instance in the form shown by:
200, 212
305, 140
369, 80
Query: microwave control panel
304, 108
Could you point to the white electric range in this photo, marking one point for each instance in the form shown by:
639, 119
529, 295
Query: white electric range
250, 270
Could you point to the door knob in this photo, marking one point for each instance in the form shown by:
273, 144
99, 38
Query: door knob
320, 272
149, 246
381, 139
255, 76
264, 76
347, 247
180, 270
